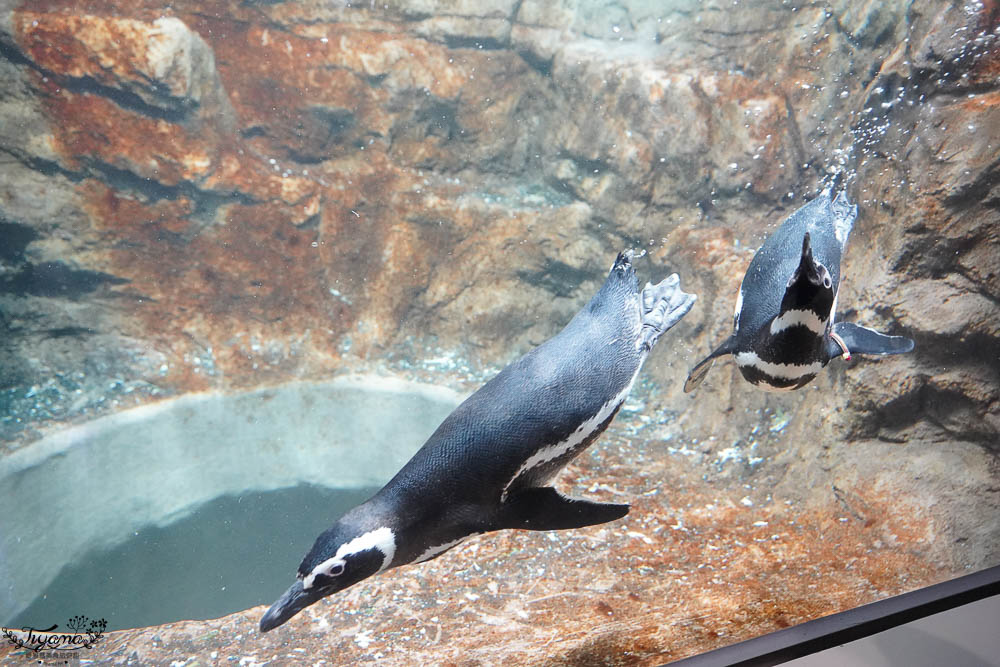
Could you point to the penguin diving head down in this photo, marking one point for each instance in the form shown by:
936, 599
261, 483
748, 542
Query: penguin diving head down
784, 328
488, 465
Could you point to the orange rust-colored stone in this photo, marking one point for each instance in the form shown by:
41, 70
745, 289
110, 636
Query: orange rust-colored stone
94, 128
305, 156
220, 287
987, 67
80, 45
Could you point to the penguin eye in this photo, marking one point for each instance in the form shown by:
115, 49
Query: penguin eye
331, 568
322, 575
826, 281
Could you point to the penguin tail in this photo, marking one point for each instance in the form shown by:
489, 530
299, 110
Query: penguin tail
835, 180
621, 281
663, 306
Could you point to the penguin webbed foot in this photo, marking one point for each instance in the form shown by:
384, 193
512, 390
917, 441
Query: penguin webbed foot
862, 340
663, 306
544, 508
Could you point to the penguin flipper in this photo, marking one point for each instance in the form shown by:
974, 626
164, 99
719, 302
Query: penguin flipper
663, 306
702, 368
544, 508
862, 340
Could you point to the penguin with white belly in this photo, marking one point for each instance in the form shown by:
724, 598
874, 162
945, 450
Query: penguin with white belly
488, 465
784, 329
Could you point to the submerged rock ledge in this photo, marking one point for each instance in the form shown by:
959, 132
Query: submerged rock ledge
229, 195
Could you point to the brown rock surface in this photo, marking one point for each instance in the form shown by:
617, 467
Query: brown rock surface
226, 194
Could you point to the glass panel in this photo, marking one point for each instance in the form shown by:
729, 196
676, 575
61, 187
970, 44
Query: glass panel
253, 253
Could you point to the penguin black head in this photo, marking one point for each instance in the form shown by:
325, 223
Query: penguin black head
341, 557
809, 292
811, 281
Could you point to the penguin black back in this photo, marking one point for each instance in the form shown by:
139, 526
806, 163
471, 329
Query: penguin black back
539, 399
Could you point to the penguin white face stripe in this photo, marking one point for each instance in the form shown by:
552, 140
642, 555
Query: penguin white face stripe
382, 539
794, 318
782, 371
576, 437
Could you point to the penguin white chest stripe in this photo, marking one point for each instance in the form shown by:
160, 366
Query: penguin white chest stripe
794, 318
582, 432
739, 307
783, 371
438, 549
382, 539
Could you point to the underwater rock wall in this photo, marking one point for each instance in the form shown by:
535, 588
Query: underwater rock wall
231, 194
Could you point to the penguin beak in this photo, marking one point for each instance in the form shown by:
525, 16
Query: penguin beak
292, 601
808, 268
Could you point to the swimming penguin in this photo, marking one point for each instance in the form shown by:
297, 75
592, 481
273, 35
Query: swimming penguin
487, 466
784, 331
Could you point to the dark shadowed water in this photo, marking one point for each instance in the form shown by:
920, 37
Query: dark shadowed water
202, 566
